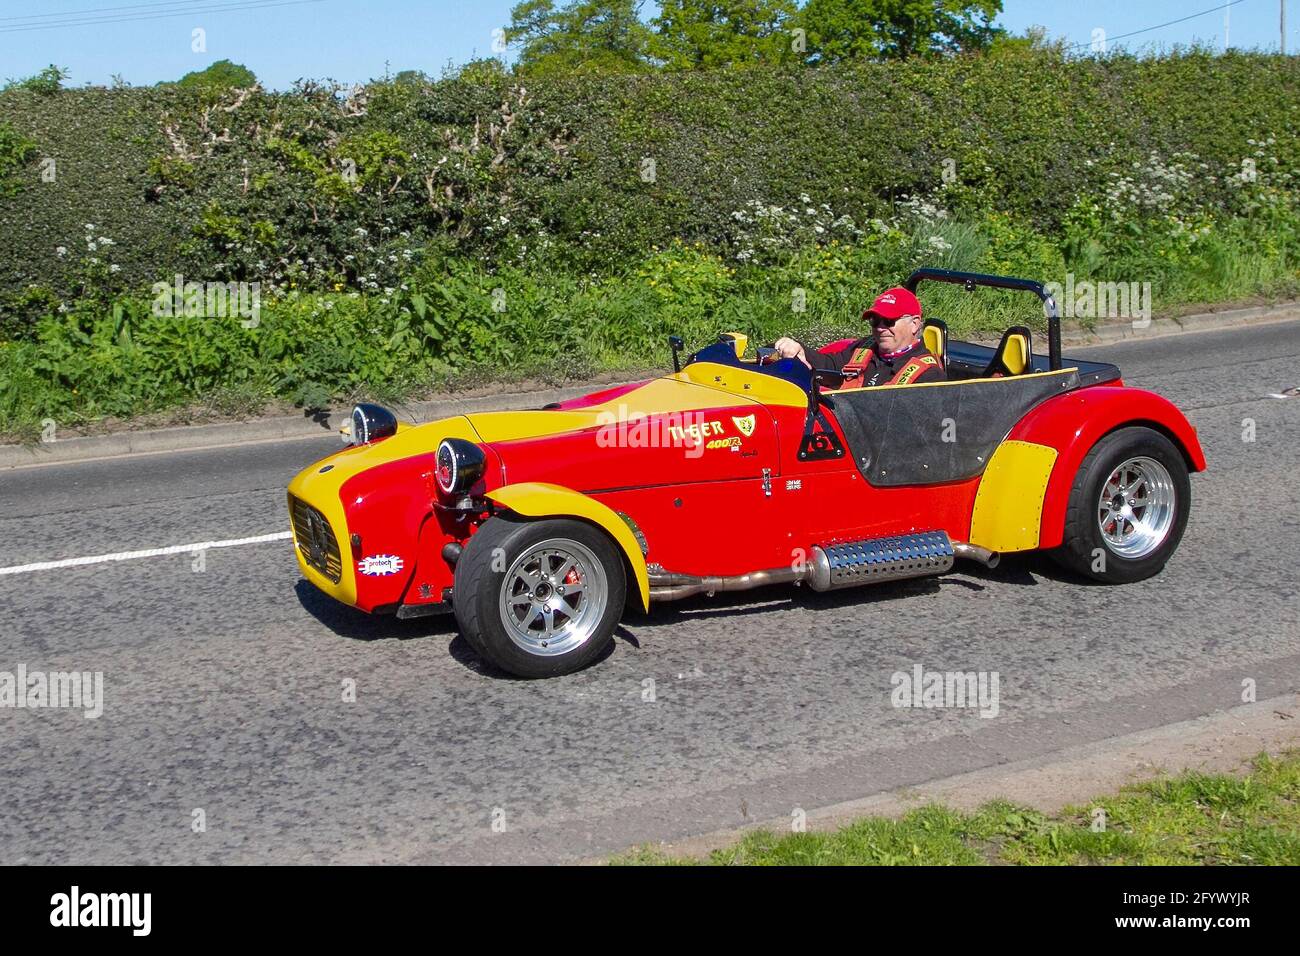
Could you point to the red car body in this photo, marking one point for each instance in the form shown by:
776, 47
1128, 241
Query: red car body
725, 470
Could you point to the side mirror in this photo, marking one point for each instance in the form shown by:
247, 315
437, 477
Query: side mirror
676, 343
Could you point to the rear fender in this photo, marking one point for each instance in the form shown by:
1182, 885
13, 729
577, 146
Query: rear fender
536, 499
1075, 422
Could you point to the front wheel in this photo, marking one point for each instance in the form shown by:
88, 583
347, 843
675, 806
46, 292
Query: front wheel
539, 598
1128, 507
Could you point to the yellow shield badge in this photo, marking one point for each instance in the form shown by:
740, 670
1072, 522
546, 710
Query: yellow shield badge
746, 425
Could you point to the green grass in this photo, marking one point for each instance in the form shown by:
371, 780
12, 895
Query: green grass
438, 329
1190, 819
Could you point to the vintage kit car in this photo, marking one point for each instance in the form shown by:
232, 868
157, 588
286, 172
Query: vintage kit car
536, 527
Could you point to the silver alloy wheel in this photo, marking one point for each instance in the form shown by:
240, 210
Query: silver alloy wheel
1136, 508
553, 597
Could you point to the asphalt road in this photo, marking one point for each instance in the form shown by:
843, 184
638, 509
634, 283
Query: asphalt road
224, 679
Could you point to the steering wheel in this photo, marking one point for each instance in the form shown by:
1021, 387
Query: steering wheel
768, 354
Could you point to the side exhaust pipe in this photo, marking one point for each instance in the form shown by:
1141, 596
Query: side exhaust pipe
837, 566
973, 552
674, 587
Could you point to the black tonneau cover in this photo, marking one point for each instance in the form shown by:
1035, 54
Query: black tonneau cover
926, 434
968, 360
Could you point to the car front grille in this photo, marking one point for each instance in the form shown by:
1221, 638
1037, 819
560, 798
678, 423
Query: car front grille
315, 539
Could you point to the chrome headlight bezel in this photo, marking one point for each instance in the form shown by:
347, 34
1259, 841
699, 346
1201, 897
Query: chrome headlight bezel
369, 423
458, 465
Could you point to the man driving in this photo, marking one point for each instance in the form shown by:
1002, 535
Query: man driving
894, 355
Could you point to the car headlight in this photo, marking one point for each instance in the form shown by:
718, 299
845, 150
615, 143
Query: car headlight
459, 465
369, 423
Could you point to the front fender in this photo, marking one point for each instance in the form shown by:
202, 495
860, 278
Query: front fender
1073, 423
537, 499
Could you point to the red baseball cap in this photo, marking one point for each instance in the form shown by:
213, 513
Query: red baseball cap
894, 304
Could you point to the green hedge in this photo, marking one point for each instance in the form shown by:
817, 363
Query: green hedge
321, 189
416, 235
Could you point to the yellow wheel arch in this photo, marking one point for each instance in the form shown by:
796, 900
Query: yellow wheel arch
537, 499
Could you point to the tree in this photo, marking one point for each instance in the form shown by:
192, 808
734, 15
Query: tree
594, 36
49, 80
222, 75
896, 29
694, 34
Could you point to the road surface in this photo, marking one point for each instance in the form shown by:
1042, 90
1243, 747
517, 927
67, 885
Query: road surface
225, 735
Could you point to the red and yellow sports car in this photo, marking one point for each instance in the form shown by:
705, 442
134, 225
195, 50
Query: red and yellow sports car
536, 527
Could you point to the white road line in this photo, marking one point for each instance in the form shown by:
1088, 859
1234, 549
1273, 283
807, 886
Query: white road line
147, 553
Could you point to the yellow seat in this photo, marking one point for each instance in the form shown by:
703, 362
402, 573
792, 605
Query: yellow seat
935, 338
1014, 354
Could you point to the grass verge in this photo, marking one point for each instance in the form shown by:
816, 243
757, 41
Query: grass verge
1189, 819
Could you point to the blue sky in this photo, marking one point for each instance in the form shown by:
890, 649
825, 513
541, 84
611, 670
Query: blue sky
354, 40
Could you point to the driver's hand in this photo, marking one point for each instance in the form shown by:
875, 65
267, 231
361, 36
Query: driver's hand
789, 348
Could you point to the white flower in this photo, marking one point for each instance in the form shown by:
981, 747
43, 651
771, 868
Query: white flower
61, 251
114, 268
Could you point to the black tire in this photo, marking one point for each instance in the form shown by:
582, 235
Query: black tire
480, 580
1079, 550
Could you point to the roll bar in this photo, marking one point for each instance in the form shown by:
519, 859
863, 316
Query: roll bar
969, 280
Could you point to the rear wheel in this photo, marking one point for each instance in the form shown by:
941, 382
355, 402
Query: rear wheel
539, 598
1128, 507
